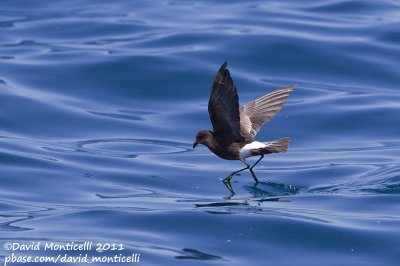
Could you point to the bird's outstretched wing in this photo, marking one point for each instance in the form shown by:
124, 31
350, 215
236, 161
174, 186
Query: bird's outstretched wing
223, 107
258, 112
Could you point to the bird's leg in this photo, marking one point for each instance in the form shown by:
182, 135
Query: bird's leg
251, 168
234, 173
227, 180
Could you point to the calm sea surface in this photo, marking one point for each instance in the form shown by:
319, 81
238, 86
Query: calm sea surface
100, 102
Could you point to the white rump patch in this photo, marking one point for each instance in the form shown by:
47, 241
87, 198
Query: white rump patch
245, 151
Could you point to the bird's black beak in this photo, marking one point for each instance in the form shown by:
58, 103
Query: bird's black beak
195, 144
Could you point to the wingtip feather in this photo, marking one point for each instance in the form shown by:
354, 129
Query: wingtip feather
224, 65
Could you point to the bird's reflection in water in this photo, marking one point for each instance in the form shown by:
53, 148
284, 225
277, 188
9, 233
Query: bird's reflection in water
265, 190
261, 192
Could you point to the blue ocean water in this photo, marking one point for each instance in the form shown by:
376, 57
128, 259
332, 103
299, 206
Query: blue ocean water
100, 102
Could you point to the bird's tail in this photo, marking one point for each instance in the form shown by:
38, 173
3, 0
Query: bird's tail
280, 145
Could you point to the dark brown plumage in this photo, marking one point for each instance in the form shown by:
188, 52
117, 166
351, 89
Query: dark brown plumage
234, 127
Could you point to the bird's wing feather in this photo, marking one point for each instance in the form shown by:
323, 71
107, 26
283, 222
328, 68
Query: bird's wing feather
223, 107
259, 111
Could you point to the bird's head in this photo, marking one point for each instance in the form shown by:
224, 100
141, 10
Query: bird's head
203, 137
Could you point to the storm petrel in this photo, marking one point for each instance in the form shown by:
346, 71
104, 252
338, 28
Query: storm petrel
234, 127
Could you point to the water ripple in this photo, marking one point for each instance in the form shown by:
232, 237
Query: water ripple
122, 147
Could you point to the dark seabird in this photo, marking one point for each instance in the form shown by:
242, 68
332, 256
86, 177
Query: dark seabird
234, 127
